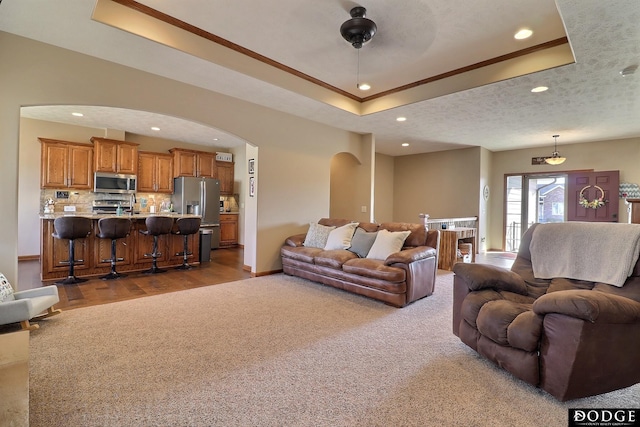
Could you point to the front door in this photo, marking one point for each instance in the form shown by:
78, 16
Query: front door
593, 196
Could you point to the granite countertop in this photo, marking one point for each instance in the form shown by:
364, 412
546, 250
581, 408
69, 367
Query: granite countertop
92, 215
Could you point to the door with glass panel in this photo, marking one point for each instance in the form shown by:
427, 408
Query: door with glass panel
531, 198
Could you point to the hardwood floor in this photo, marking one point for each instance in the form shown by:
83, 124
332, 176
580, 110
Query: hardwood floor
225, 266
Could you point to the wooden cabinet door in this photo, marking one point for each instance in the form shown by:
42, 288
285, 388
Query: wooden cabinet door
80, 167
207, 165
102, 250
146, 172
228, 230
225, 176
127, 159
105, 156
55, 254
55, 165
164, 175
184, 163
155, 172
144, 245
177, 248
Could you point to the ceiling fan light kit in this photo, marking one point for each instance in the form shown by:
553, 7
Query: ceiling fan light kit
358, 30
555, 158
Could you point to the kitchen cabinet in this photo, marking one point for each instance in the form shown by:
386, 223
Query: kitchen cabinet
55, 253
110, 155
228, 230
155, 172
102, 249
193, 163
94, 251
177, 247
66, 164
225, 176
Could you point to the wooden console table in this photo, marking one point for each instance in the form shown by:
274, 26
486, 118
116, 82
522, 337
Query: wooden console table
449, 240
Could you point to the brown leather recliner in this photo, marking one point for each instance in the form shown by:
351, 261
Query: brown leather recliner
571, 338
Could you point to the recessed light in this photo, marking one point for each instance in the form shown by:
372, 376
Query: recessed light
405, 144
522, 34
539, 89
364, 86
77, 114
401, 119
215, 139
155, 128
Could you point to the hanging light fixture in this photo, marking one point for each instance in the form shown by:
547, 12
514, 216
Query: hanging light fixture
358, 30
555, 158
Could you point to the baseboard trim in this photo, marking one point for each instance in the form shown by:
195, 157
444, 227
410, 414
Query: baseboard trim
266, 273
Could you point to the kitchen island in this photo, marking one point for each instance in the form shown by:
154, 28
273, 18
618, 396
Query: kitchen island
96, 252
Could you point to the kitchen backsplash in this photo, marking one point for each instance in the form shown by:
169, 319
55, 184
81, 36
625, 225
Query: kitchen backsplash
83, 200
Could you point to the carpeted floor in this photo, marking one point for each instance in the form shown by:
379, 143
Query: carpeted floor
276, 351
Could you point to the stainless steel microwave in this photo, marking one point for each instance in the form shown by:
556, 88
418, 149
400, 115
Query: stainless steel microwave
104, 182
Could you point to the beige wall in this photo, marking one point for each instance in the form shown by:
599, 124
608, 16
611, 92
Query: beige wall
384, 188
295, 153
622, 155
444, 184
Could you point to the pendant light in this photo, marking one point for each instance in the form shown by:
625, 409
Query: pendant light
555, 158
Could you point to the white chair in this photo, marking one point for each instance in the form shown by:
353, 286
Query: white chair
26, 305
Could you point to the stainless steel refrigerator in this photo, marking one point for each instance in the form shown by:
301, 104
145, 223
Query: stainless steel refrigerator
200, 196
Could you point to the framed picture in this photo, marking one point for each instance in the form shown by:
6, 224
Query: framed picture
252, 166
252, 186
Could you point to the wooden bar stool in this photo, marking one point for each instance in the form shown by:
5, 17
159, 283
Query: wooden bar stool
156, 226
186, 227
71, 228
114, 229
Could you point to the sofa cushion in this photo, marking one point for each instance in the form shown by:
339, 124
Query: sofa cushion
334, 258
417, 236
340, 238
6, 290
317, 235
375, 269
386, 243
300, 253
362, 242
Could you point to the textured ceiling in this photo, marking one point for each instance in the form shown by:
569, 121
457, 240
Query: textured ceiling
586, 101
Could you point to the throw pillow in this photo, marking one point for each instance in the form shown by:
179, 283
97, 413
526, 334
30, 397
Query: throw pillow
362, 242
6, 290
340, 238
386, 243
317, 235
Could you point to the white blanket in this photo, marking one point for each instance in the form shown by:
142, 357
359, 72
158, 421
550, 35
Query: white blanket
595, 251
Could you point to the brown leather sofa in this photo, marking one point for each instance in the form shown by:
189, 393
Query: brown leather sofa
402, 278
571, 338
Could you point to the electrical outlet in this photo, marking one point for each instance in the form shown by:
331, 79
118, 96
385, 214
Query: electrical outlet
69, 208
62, 194
363, 209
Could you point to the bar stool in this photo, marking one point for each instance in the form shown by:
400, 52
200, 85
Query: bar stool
71, 228
114, 229
186, 226
156, 226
